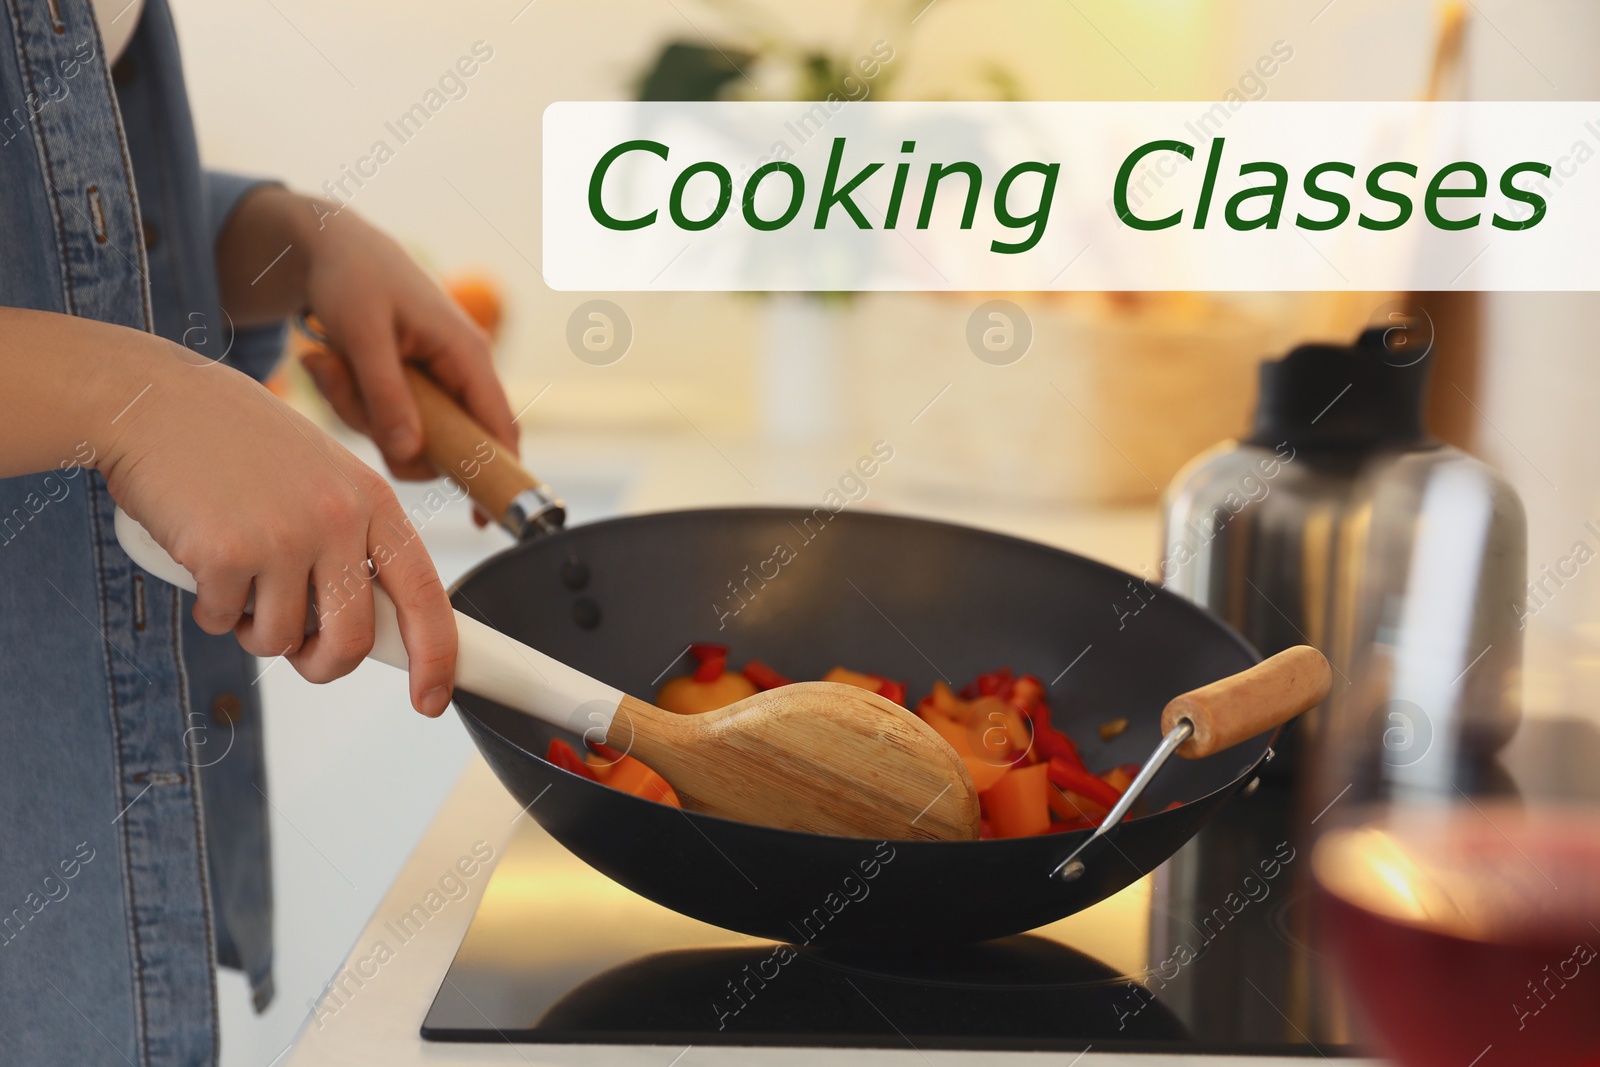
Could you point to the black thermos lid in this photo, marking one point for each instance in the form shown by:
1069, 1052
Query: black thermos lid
1364, 396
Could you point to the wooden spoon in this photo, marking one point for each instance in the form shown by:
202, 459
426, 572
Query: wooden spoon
815, 756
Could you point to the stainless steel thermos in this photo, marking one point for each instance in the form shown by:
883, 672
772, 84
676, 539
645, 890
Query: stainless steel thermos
1339, 522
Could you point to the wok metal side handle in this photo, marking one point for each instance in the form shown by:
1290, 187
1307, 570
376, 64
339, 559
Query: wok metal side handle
462, 450
1218, 716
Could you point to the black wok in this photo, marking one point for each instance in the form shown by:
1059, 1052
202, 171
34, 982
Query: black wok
902, 597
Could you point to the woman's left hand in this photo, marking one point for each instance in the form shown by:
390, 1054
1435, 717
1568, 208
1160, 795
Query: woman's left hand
376, 307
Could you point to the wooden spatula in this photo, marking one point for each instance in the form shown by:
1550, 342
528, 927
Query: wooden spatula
814, 756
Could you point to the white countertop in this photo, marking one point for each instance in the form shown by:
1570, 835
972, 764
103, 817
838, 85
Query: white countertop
374, 1013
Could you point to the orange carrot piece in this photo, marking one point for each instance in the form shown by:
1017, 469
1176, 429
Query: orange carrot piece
985, 772
846, 676
1075, 806
1018, 804
632, 776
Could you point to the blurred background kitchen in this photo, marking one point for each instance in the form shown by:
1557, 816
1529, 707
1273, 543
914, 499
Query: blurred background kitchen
689, 399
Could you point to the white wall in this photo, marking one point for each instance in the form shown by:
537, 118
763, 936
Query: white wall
1542, 378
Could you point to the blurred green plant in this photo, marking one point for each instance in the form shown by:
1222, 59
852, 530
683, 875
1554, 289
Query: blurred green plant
717, 69
685, 71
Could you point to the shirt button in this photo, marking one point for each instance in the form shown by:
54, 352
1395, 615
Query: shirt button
227, 709
123, 70
152, 234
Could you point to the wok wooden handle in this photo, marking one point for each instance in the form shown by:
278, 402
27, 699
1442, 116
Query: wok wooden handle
461, 449
1251, 702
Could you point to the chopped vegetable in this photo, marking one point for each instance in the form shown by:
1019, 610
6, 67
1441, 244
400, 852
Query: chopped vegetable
1074, 807
1002, 731
845, 676
762, 676
944, 701
631, 776
872, 683
1027, 694
710, 687
564, 756
1018, 804
1072, 777
713, 660
1112, 729
615, 769
689, 697
1119, 778
994, 684
1051, 743
605, 752
892, 690
1029, 775
984, 772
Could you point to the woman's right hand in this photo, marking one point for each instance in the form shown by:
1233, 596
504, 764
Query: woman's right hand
249, 495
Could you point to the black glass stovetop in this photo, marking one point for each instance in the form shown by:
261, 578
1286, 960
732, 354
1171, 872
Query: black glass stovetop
1207, 955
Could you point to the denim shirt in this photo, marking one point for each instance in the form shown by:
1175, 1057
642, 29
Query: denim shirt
133, 843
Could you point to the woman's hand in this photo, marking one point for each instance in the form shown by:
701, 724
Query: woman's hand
248, 494
377, 308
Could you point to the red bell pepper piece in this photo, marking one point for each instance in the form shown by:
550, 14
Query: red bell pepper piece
605, 752
1048, 742
713, 660
1051, 744
564, 756
993, 684
1073, 777
764, 677
1027, 696
895, 691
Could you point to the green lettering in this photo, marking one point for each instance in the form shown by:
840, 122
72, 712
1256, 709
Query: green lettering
1437, 192
1277, 190
1340, 202
597, 179
833, 194
1213, 163
1522, 196
936, 174
1119, 192
1040, 215
798, 192
1401, 201
724, 196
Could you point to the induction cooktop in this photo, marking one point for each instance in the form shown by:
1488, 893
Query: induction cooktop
1209, 954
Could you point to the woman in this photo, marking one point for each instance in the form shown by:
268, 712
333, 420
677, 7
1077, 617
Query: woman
132, 284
